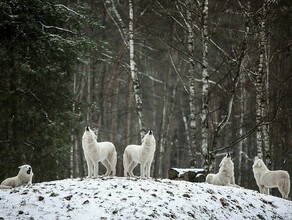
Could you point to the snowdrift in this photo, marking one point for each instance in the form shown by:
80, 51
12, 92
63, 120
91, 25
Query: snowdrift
135, 198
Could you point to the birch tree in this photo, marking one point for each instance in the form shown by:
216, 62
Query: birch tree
239, 63
205, 84
262, 132
265, 107
242, 150
128, 39
192, 75
134, 72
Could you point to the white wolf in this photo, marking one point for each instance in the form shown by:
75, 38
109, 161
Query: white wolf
96, 152
142, 154
270, 179
24, 176
225, 176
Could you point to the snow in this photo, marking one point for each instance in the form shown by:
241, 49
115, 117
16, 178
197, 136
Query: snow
135, 198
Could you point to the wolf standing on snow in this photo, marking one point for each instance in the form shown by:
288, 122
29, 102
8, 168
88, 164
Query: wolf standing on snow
24, 176
142, 154
96, 152
270, 179
225, 176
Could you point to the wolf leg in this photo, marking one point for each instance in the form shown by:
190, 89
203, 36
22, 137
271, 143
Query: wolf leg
148, 166
95, 169
107, 166
142, 170
89, 166
264, 190
267, 191
131, 168
126, 164
113, 162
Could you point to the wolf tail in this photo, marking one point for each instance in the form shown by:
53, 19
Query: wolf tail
286, 187
114, 162
126, 163
5, 187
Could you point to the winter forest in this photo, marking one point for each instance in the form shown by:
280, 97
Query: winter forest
208, 77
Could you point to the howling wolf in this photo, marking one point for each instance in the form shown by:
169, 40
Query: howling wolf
24, 176
270, 179
225, 176
96, 152
142, 154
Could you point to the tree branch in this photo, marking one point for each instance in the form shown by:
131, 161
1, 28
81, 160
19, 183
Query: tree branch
57, 28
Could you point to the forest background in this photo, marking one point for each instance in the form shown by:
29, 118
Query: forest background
208, 77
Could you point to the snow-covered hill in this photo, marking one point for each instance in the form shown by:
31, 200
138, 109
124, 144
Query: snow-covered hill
121, 198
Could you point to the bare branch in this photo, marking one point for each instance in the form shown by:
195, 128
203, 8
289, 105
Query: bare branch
38, 100
57, 28
177, 72
69, 9
120, 24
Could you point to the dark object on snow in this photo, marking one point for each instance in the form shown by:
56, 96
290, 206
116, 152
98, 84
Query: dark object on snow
68, 197
191, 175
85, 202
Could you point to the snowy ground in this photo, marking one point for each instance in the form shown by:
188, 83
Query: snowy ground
121, 198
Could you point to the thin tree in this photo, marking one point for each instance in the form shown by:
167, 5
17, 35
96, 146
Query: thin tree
243, 97
205, 83
134, 72
128, 39
262, 132
192, 93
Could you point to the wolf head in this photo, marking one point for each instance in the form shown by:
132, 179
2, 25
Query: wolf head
89, 134
258, 163
149, 138
226, 161
25, 170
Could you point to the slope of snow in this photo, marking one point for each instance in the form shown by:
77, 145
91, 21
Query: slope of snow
122, 198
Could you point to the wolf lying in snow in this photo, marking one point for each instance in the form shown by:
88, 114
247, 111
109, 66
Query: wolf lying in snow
24, 176
142, 154
96, 152
270, 179
225, 176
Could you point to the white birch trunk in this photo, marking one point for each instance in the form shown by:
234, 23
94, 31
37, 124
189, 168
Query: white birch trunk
128, 39
241, 144
261, 132
243, 97
129, 114
113, 12
134, 74
72, 134
88, 92
243, 105
205, 86
266, 127
191, 86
